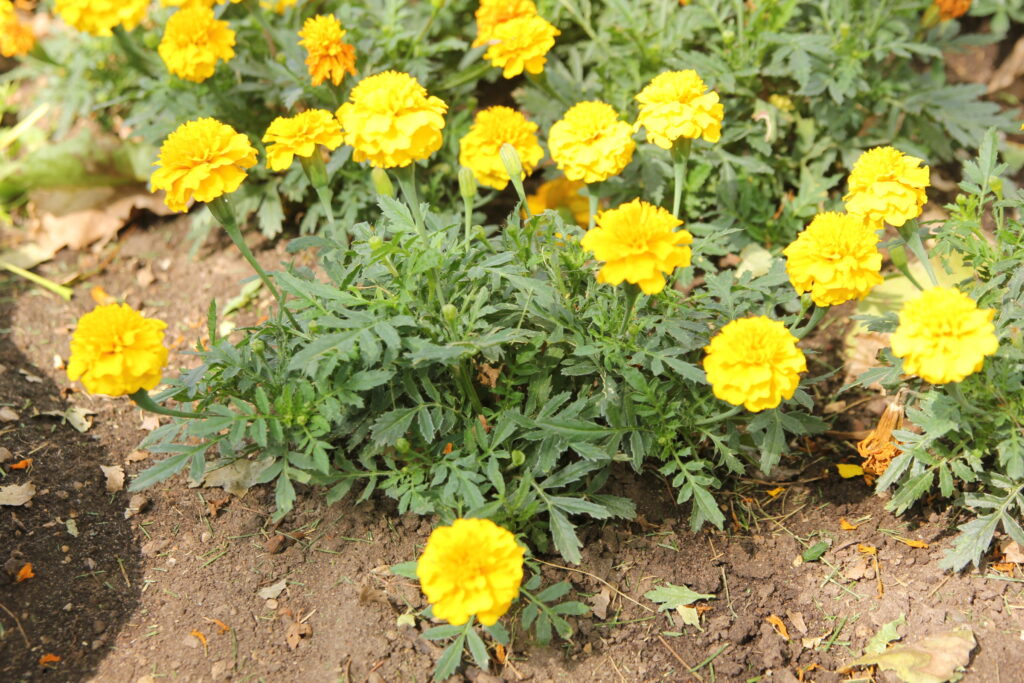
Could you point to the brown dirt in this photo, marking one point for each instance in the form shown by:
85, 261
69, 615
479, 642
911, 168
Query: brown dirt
194, 566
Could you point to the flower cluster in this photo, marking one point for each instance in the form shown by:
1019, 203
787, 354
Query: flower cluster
561, 193
518, 38
836, 259
329, 56
299, 135
115, 350
479, 148
492, 13
16, 38
194, 41
675, 106
99, 17
590, 142
886, 185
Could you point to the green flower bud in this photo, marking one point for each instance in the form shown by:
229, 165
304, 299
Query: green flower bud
302, 419
518, 458
375, 242
728, 36
402, 445
510, 159
467, 184
258, 345
382, 183
280, 58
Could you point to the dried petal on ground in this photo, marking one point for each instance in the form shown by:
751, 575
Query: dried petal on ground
202, 639
1012, 552
48, 658
100, 296
17, 494
22, 464
115, 477
778, 625
848, 471
296, 632
912, 542
221, 626
25, 573
935, 659
847, 526
136, 456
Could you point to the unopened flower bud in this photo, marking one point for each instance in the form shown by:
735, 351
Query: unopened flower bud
449, 312
402, 445
518, 458
467, 184
375, 242
728, 36
510, 158
258, 345
382, 183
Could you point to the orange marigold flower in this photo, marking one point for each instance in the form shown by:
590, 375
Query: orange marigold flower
479, 149
521, 44
590, 143
16, 38
951, 9
491, 13
194, 41
330, 57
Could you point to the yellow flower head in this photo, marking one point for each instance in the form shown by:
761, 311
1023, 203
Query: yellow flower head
390, 120
299, 135
194, 41
951, 9
637, 243
835, 259
491, 13
117, 351
886, 185
471, 567
943, 336
202, 160
754, 362
98, 17
278, 6
590, 143
478, 149
330, 57
191, 3
521, 43
561, 193
675, 105
16, 38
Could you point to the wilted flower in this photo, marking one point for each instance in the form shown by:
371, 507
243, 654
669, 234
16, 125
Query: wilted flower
675, 105
879, 447
390, 120
590, 143
491, 13
943, 336
330, 57
202, 160
951, 9
99, 17
115, 350
299, 135
561, 193
194, 41
521, 44
639, 244
16, 38
471, 567
886, 185
836, 259
754, 362
479, 149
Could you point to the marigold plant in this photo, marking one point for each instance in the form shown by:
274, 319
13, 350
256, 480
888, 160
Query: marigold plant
676, 105
194, 41
887, 185
479, 148
754, 362
943, 336
116, 351
201, 160
299, 135
836, 259
329, 56
473, 567
492, 13
561, 193
590, 142
521, 44
99, 17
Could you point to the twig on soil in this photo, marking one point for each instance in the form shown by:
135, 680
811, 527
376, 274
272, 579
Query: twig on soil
728, 598
680, 659
18, 624
936, 589
594, 576
835, 634
616, 667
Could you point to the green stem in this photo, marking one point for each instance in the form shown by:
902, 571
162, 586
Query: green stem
631, 292
468, 220
407, 181
911, 235
719, 418
143, 400
680, 158
593, 199
467, 385
316, 171
135, 56
59, 290
816, 316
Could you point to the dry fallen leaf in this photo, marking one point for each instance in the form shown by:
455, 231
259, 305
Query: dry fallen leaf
8, 414
115, 477
935, 659
25, 573
296, 632
797, 619
1012, 552
236, 477
23, 464
599, 603
150, 421
17, 494
136, 456
847, 526
273, 590
487, 375
778, 625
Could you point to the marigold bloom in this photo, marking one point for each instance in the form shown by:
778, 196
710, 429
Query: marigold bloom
951, 9
299, 135
194, 41
278, 6
479, 148
886, 185
590, 143
191, 3
835, 258
754, 362
99, 17
637, 243
471, 567
943, 336
675, 105
330, 57
16, 38
492, 13
521, 44
201, 160
390, 120
115, 350
561, 193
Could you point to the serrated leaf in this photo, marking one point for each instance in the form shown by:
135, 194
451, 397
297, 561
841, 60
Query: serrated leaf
886, 634
670, 596
563, 533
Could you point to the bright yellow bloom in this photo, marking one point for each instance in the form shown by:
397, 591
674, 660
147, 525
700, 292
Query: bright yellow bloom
836, 259
390, 120
886, 185
637, 243
471, 567
561, 193
299, 135
943, 336
16, 38
675, 105
202, 160
191, 3
590, 143
98, 17
478, 149
330, 57
951, 9
194, 41
754, 362
491, 13
278, 6
116, 351
521, 43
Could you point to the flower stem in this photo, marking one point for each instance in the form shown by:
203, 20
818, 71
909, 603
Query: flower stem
816, 315
680, 158
59, 290
407, 181
719, 418
317, 174
631, 292
911, 235
143, 400
593, 198
135, 56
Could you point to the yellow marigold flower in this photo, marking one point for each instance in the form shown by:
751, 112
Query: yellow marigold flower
98, 17
561, 193
590, 143
886, 185
491, 13
191, 3
943, 336
16, 38
951, 9
754, 362
330, 57
115, 350
835, 259
194, 40
479, 148
278, 6
390, 120
202, 160
637, 243
675, 105
521, 44
471, 567
299, 135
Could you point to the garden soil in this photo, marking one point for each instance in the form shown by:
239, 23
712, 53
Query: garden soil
193, 584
